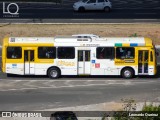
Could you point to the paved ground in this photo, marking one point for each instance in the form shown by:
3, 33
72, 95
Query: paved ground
45, 94
123, 11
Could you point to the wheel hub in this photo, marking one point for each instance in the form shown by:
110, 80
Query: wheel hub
127, 73
53, 73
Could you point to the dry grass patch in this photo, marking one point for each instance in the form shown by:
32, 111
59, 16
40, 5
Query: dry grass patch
117, 30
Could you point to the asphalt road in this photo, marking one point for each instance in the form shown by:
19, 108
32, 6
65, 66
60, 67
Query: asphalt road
39, 93
123, 11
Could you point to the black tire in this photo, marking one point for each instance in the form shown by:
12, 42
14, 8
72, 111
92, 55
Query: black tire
81, 9
127, 73
106, 9
54, 73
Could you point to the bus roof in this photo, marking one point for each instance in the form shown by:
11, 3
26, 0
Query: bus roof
117, 41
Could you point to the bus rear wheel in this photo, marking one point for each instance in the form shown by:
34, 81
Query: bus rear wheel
127, 73
54, 73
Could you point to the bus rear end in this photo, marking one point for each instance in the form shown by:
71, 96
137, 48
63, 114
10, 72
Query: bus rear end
4, 45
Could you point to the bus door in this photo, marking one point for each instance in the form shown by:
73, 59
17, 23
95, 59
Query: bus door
143, 59
84, 62
29, 62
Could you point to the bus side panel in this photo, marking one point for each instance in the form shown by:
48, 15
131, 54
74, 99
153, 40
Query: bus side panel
15, 68
67, 66
41, 69
15, 65
104, 67
5, 43
3, 59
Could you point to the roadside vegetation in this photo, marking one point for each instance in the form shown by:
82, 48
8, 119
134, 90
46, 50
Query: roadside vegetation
106, 30
129, 107
134, 35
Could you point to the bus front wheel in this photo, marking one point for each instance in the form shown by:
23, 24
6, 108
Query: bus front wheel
127, 73
54, 73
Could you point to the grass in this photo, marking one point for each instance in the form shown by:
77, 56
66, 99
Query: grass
106, 30
129, 106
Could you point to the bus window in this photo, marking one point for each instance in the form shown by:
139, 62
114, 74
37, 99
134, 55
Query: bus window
66, 52
31, 55
146, 56
26, 55
14, 52
80, 55
87, 55
125, 53
105, 53
151, 56
46, 52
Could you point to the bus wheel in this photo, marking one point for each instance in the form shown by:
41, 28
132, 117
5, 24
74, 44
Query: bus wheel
127, 73
54, 73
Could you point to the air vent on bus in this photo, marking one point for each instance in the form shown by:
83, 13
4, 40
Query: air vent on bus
83, 39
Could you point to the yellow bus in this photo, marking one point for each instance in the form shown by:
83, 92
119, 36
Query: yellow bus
78, 55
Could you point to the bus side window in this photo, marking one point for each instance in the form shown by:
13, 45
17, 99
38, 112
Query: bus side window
146, 56
66, 52
151, 56
105, 52
31, 55
14, 55
26, 55
46, 52
14, 52
125, 53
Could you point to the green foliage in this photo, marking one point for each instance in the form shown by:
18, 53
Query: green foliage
103, 118
151, 107
134, 35
129, 106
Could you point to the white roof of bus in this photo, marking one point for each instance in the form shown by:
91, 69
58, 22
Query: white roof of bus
103, 40
31, 39
74, 39
124, 40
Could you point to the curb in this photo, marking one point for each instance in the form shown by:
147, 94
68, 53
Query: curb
76, 23
106, 106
